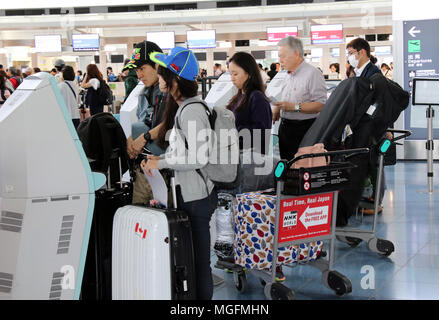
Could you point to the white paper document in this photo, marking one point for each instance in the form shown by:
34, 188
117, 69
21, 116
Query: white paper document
158, 187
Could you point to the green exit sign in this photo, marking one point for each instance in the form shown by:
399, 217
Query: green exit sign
414, 46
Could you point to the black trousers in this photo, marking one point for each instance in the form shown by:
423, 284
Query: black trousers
200, 212
291, 133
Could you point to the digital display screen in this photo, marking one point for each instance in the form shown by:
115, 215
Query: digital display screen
201, 39
48, 43
275, 34
164, 39
425, 92
85, 42
327, 33
383, 50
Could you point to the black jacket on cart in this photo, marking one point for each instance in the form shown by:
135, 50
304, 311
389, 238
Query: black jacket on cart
348, 104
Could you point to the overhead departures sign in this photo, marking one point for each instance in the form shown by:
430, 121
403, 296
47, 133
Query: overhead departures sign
275, 34
327, 33
420, 61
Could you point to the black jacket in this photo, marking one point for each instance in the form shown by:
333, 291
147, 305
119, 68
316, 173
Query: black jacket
369, 71
349, 103
346, 105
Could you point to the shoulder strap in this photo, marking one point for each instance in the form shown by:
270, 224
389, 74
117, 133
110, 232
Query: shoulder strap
177, 124
73, 91
208, 112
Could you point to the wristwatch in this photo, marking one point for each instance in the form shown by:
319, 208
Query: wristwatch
297, 107
147, 136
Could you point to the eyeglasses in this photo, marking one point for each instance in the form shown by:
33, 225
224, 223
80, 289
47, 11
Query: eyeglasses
351, 53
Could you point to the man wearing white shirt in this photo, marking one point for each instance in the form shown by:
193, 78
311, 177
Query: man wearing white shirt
303, 97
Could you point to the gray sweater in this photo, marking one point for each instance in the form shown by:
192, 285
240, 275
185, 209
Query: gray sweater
195, 127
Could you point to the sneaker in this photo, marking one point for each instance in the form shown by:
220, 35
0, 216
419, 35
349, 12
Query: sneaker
372, 211
280, 277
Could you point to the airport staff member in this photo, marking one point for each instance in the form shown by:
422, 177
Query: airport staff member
303, 96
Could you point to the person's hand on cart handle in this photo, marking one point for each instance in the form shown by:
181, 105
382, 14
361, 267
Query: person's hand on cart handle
148, 165
389, 135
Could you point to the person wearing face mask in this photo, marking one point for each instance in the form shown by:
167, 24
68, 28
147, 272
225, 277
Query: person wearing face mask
359, 58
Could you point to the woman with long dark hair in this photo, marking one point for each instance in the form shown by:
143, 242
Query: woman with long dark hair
250, 105
92, 82
196, 194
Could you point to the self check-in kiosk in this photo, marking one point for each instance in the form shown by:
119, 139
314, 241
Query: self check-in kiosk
47, 193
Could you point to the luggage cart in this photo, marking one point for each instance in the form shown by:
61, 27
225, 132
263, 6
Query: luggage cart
299, 188
353, 237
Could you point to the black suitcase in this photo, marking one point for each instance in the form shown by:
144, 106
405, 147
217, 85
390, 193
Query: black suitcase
96, 283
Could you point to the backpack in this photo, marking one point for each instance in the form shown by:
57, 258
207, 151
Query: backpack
105, 95
223, 175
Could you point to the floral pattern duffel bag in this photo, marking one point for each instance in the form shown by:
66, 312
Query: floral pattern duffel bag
254, 234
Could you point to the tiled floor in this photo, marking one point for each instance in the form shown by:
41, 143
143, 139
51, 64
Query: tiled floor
410, 219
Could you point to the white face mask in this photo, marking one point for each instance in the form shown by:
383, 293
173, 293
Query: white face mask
353, 61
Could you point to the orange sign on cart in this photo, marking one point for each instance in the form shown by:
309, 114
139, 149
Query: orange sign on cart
305, 217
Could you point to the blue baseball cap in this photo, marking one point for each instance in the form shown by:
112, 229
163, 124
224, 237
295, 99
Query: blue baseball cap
180, 61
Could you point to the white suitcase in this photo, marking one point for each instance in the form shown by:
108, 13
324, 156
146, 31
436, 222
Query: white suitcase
152, 255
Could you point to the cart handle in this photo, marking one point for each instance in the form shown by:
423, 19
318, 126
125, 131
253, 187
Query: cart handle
385, 143
284, 164
405, 134
349, 153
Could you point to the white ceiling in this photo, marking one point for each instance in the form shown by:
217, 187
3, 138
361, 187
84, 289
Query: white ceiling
362, 16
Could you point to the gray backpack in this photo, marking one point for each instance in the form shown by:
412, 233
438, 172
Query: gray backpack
223, 168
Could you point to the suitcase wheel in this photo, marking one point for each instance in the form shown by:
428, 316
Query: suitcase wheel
336, 281
240, 281
277, 291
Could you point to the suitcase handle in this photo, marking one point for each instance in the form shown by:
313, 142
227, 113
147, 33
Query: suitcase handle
173, 189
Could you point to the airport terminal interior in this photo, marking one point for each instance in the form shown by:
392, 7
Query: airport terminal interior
388, 250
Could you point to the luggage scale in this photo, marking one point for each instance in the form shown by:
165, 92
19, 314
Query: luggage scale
306, 211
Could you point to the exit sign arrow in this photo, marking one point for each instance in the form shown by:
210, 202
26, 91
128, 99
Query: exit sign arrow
413, 31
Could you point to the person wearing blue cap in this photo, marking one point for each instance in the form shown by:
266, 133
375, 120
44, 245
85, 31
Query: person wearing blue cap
196, 194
